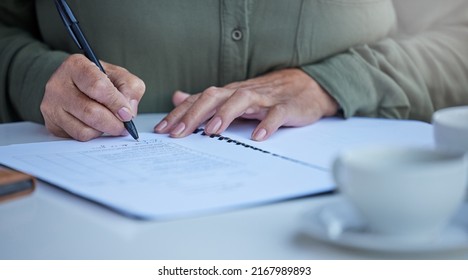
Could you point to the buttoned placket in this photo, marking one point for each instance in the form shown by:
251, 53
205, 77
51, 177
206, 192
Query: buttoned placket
234, 40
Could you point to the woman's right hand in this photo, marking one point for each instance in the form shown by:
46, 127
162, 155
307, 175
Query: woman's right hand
82, 102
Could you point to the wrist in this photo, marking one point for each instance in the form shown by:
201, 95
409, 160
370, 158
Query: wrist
328, 105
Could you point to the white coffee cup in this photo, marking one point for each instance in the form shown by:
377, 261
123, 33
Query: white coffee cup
451, 129
406, 193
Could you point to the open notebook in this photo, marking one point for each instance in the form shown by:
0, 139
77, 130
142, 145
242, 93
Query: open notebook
164, 178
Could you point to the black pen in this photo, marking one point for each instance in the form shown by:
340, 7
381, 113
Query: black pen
71, 23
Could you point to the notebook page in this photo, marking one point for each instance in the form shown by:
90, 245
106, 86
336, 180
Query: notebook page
161, 178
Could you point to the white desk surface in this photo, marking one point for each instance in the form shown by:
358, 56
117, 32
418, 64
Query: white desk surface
53, 224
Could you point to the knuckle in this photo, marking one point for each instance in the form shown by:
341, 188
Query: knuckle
89, 109
86, 76
97, 85
54, 84
245, 94
137, 86
50, 85
191, 99
113, 102
73, 59
44, 108
84, 135
211, 92
280, 109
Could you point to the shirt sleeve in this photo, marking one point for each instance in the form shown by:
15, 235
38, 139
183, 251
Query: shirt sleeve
26, 63
419, 68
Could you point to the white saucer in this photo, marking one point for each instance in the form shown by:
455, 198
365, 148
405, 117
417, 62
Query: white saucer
338, 223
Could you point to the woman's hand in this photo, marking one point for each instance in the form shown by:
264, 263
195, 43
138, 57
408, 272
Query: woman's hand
286, 97
81, 102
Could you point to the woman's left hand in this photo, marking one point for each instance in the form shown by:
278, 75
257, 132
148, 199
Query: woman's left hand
286, 97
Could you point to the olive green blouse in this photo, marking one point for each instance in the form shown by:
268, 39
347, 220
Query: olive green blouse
378, 58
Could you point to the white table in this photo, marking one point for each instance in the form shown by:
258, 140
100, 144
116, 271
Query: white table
53, 224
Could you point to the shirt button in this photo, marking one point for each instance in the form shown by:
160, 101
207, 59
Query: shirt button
236, 35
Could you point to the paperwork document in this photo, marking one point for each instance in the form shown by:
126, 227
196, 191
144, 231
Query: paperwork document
163, 178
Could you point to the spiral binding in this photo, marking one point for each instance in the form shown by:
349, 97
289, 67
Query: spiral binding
220, 137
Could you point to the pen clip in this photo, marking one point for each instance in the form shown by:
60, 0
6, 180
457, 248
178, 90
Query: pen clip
68, 19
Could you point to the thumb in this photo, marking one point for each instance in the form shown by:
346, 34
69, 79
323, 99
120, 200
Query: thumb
179, 97
97, 85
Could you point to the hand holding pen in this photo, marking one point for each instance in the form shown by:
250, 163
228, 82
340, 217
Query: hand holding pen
82, 102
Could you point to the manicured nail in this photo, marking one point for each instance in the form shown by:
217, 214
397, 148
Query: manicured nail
160, 127
183, 92
213, 126
178, 129
125, 114
134, 105
260, 134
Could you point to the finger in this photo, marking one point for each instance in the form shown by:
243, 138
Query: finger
74, 128
132, 87
79, 105
201, 110
173, 118
255, 114
55, 129
179, 97
95, 115
78, 130
275, 118
241, 100
97, 85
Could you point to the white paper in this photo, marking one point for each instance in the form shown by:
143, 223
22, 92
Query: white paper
320, 143
162, 178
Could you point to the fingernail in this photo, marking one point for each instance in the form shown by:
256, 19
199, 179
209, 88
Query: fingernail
134, 105
125, 114
160, 126
260, 134
213, 126
182, 92
178, 129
